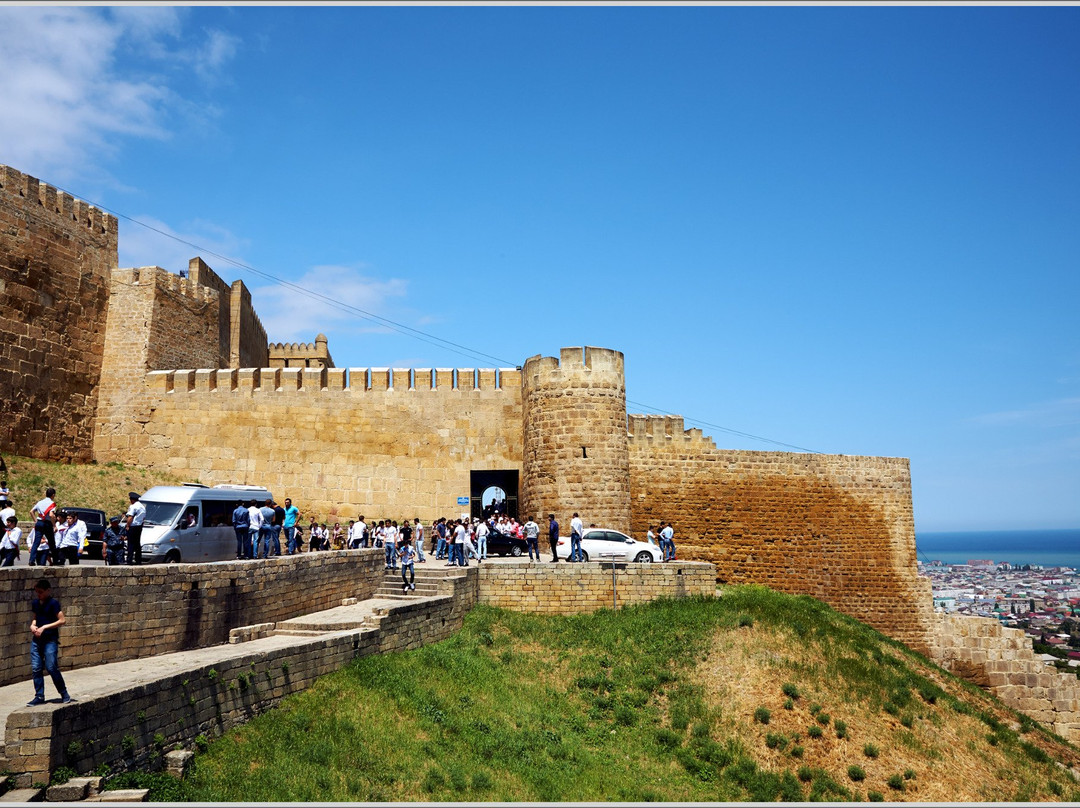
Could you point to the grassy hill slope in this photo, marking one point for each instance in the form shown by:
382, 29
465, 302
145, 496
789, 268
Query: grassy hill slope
752, 696
104, 486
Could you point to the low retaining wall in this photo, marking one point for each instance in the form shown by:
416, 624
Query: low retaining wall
547, 588
118, 613
134, 726
1002, 661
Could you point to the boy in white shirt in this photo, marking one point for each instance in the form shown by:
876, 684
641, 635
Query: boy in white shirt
9, 545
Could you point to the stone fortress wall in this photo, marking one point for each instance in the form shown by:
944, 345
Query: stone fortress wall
86, 338
301, 354
341, 442
56, 255
836, 527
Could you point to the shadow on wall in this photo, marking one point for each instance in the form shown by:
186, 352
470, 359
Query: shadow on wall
800, 536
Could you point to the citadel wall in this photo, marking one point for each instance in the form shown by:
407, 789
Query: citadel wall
55, 256
387, 444
836, 527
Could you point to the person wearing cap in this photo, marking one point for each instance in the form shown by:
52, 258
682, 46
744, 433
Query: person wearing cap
134, 522
112, 543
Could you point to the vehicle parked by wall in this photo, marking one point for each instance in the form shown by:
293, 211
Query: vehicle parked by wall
604, 544
193, 522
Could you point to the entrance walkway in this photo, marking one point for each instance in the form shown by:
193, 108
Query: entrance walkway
184, 694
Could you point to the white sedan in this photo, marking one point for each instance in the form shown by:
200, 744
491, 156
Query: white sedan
603, 544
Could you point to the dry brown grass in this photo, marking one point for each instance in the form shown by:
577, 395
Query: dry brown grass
948, 752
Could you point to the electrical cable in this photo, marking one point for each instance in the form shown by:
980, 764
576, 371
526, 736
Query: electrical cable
406, 330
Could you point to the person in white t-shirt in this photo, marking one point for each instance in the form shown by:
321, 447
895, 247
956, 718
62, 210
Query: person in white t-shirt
577, 530
44, 513
9, 545
134, 516
71, 539
418, 539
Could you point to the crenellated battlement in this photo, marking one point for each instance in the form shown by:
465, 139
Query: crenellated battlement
55, 202
650, 430
167, 281
348, 380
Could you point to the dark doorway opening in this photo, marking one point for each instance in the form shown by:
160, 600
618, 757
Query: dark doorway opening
494, 491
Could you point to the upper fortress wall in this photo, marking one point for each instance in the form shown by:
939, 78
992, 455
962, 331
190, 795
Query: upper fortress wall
56, 253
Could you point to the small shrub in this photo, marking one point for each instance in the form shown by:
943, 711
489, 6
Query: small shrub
823, 719
908, 720
625, 716
815, 731
805, 774
140, 716
745, 621
992, 739
789, 704
815, 708
127, 743
762, 715
481, 781
875, 796
285, 668
1055, 788
895, 782
433, 781
159, 740
841, 728
909, 774
856, 773
212, 674
797, 751
890, 708
790, 690
1034, 752
871, 751
929, 693
74, 749
700, 730
776, 740
668, 739
202, 743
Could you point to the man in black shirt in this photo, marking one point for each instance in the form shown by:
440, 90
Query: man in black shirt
45, 644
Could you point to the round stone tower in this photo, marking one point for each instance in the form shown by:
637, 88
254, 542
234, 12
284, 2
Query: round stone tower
575, 439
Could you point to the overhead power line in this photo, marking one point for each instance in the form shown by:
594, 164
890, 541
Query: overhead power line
401, 328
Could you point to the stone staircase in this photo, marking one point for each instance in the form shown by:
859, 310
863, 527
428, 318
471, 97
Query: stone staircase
427, 585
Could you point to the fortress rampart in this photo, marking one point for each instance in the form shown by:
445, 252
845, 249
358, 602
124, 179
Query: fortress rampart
301, 354
836, 527
340, 442
56, 253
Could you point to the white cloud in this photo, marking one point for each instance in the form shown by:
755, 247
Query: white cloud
75, 81
289, 315
1062, 412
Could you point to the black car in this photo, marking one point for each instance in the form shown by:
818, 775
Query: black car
95, 527
504, 544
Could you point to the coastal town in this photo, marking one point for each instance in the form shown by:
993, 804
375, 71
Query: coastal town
1043, 601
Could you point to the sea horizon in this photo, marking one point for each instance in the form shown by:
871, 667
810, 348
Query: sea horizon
1047, 548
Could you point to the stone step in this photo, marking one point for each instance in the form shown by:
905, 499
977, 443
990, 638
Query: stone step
121, 795
74, 790
23, 795
297, 632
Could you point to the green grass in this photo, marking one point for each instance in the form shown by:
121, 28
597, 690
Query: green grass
515, 707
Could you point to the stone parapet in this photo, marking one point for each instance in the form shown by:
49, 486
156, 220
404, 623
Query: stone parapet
546, 588
1002, 661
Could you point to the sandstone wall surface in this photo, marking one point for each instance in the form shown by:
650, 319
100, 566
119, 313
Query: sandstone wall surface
385, 444
835, 527
546, 588
1002, 661
117, 613
56, 253
575, 451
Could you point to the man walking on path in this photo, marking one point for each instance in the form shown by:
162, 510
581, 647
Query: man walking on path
45, 643
135, 516
407, 555
553, 537
576, 531
418, 535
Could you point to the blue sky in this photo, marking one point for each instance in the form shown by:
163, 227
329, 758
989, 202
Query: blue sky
848, 229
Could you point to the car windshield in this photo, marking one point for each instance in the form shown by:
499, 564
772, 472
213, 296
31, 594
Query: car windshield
161, 513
